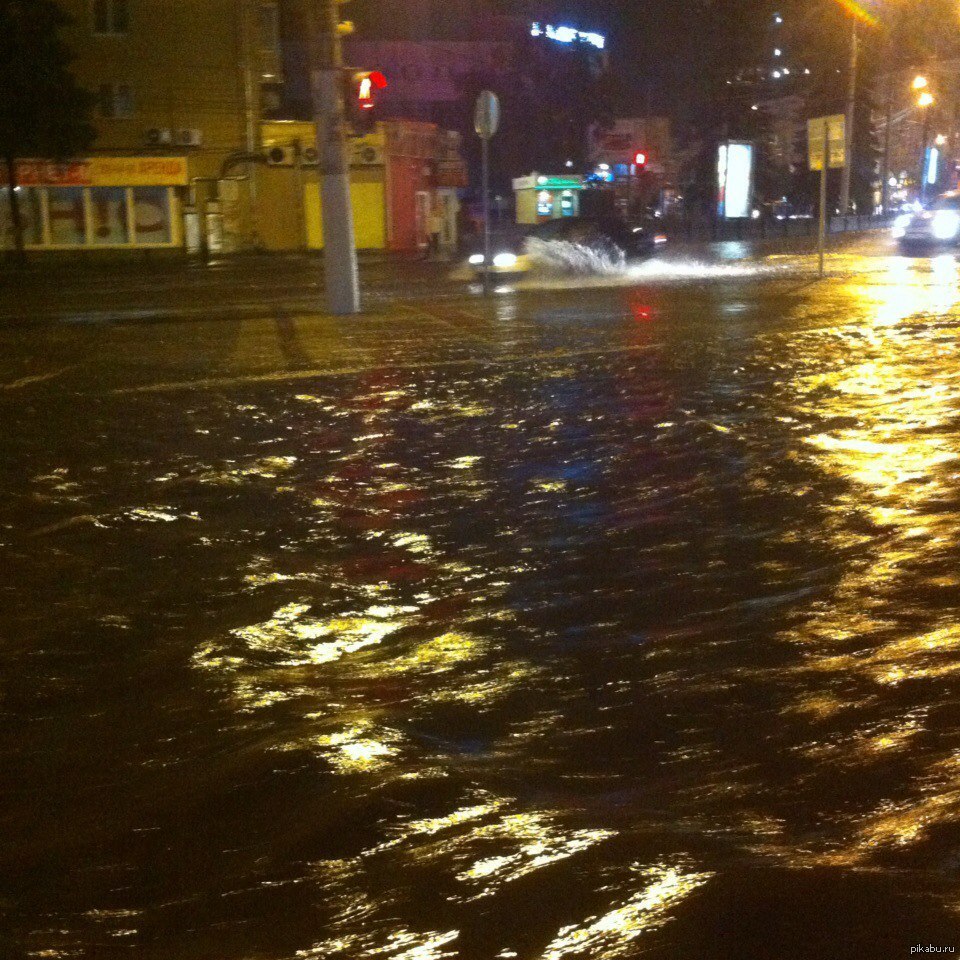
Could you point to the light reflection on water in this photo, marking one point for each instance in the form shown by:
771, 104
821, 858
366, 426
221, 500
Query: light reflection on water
552, 660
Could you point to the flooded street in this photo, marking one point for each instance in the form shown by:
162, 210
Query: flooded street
606, 620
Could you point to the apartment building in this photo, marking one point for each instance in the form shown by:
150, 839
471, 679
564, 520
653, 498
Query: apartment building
203, 119
178, 88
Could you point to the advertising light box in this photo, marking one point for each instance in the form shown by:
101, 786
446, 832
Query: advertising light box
734, 179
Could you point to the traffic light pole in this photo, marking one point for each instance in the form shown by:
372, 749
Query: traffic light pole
824, 215
339, 242
850, 119
487, 244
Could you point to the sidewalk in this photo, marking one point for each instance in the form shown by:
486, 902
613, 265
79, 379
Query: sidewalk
169, 288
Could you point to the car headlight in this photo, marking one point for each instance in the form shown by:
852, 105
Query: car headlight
946, 224
900, 225
476, 260
507, 260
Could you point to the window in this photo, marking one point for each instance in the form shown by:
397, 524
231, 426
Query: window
108, 207
269, 40
31, 214
68, 218
111, 16
91, 217
269, 28
151, 215
116, 100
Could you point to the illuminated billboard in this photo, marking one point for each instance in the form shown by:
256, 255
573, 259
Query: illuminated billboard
568, 35
734, 179
933, 166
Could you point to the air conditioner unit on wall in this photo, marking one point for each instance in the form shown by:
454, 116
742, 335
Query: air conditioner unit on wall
285, 155
189, 137
366, 154
309, 156
158, 136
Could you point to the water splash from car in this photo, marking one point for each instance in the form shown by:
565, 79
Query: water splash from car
560, 264
567, 257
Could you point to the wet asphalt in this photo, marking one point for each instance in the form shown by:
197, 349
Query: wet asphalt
610, 617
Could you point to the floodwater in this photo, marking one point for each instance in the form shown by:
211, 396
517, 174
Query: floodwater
648, 649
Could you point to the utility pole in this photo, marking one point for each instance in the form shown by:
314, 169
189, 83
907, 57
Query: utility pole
339, 242
851, 117
251, 109
885, 163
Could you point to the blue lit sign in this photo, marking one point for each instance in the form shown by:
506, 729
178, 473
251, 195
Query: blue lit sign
933, 165
568, 35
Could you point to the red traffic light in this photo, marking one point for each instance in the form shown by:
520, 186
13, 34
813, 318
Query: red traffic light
367, 85
640, 158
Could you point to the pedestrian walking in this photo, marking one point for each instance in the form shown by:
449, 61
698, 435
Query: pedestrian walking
436, 229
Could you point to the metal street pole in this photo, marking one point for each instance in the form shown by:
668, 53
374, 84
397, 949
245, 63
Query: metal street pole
822, 233
486, 122
339, 243
251, 110
487, 244
885, 163
851, 116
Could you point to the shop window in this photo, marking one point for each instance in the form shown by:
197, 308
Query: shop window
108, 209
270, 28
31, 213
269, 39
151, 212
116, 100
544, 204
67, 213
111, 16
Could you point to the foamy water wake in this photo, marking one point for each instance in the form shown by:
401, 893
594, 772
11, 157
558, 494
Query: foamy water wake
560, 265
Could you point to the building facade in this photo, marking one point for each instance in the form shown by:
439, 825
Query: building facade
404, 179
193, 101
177, 89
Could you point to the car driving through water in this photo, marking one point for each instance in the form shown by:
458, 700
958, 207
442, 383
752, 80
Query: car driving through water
936, 227
574, 244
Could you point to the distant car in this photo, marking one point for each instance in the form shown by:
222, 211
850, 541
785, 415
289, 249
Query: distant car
571, 243
938, 226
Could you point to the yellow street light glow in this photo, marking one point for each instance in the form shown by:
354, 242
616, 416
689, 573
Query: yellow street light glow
941, 139
859, 12
925, 100
920, 83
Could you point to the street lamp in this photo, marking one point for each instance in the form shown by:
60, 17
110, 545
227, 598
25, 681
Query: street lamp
920, 83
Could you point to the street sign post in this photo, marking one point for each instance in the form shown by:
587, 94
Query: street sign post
486, 122
827, 139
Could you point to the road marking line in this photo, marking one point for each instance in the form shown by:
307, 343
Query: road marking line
38, 378
420, 312
288, 376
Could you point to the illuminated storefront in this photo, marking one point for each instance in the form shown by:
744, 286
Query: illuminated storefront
98, 203
542, 198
